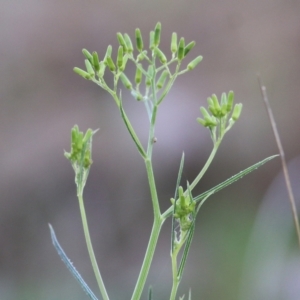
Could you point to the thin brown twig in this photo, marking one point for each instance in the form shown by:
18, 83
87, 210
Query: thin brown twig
282, 157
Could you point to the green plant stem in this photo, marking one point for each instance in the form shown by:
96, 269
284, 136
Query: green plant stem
175, 277
90, 248
206, 166
157, 224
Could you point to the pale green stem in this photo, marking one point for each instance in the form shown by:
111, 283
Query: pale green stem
147, 259
206, 166
157, 224
90, 248
174, 254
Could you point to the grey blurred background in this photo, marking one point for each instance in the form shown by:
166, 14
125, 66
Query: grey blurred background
244, 246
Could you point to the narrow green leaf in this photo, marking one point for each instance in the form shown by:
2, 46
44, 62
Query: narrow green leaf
70, 266
186, 251
234, 178
175, 197
132, 132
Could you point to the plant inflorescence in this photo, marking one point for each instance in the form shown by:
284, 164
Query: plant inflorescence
155, 75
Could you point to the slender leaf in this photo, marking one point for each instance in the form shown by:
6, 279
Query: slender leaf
232, 179
175, 197
70, 266
186, 251
132, 132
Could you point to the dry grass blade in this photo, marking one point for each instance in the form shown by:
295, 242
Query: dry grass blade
282, 157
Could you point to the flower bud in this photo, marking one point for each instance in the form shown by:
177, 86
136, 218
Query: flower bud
174, 43
82, 73
151, 42
216, 103
189, 47
160, 55
157, 32
128, 43
96, 61
121, 41
194, 62
230, 99
120, 57
126, 82
102, 69
181, 49
110, 63
125, 59
108, 53
138, 74
139, 40
162, 79
89, 67
237, 111
87, 55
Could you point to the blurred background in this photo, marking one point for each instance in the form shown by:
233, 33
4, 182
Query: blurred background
244, 246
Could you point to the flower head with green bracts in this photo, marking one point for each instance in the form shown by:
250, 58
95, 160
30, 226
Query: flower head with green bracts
80, 154
222, 115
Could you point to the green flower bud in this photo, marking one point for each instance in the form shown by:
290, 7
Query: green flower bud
149, 76
126, 82
189, 47
216, 103
87, 55
204, 112
223, 99
157, 32
121, 41
237, 111
139, 40
138, 74
174, 43
151, 42
223, 111
194, 62
160, 55
96, 61
125, 59
181, 49
87, 136
110, 63
108, 53
128, 43
162, 79
209, 121
89, 67
230, 99
82, 73
102, 69
120, 57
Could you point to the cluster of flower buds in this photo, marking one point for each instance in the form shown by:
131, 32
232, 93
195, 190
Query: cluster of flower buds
95, 68
184, 209
219, 111
80, 153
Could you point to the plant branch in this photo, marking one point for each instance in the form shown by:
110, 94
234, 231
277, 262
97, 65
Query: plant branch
90, 249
